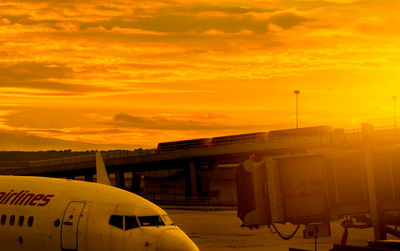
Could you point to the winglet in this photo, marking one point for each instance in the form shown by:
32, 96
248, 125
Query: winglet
101, 172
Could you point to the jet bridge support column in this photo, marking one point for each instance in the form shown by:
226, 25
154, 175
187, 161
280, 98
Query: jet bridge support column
379, 231
119, 178
191, 182
137, 183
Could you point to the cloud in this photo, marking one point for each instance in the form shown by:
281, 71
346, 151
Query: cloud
214, 7
213, 32
17, 141
165, 123
43, 79
32, 71
136, 31
287, 19
183, 23
211, 122
52, 89
161, 64
77, 131
153, 16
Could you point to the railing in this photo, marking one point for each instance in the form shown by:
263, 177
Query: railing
209, 202
66, 160
90, 157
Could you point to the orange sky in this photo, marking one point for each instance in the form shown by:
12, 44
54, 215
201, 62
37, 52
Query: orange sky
134, 73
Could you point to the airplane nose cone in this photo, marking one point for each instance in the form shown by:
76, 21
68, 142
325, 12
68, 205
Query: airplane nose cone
174, 239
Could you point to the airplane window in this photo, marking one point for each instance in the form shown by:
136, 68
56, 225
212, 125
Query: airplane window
167, 220
21, 220
3, 219
12, 220
130, 222
147, 221
116, 221
30, 221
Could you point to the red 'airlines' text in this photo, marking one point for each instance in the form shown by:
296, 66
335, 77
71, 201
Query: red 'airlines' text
25, 198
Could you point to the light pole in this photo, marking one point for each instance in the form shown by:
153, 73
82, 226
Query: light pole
394, 111
297, 92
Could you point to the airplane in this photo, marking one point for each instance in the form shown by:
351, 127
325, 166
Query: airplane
52, 214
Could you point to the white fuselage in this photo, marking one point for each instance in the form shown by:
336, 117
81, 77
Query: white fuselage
48, 214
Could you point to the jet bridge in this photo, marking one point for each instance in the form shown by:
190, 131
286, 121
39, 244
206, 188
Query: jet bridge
358, 185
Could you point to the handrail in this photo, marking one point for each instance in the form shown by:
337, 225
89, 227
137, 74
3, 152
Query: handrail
191, 201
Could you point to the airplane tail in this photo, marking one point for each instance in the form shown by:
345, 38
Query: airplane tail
101, 172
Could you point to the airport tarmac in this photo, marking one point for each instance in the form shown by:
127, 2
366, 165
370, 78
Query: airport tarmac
220, 230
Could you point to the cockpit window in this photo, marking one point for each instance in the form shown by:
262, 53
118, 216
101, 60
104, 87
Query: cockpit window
147, 221
123, 222
131, 222
167, 220
116, 221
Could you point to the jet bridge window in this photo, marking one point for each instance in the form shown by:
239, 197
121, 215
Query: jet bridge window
148, 221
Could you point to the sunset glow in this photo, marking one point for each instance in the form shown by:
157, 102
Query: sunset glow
131, 74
